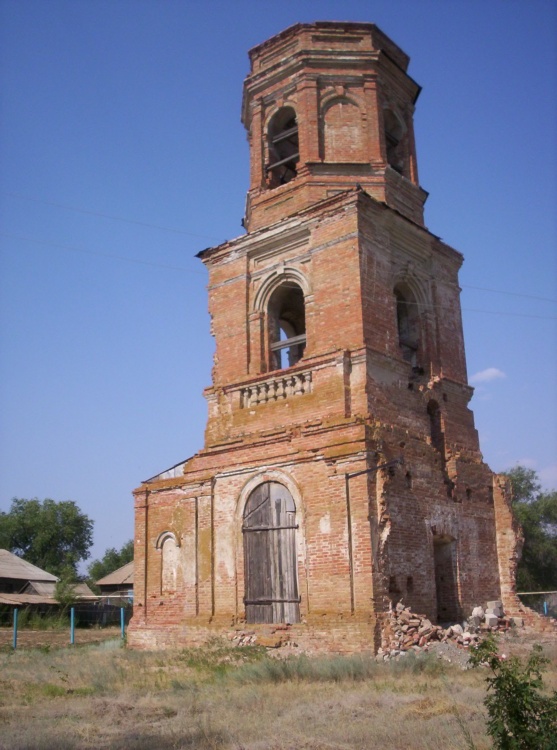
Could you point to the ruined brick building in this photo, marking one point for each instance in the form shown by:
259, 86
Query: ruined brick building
341, 469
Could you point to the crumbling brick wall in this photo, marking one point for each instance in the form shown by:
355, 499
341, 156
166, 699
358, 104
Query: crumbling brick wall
375, 377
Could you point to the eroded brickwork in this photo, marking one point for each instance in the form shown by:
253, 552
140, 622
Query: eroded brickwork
339, 350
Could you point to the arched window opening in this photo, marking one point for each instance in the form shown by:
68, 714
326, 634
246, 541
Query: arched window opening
270, 569
284, 151
393, 140
287, 326
408, 324
436, 426
446, 587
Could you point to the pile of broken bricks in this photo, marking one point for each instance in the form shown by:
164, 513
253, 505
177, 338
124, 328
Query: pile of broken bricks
403, 631
406, 631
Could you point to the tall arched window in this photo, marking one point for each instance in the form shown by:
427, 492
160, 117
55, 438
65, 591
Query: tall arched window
408, 323
394, 132
436, 426
283, 148
446, 579
287, 325
270, 565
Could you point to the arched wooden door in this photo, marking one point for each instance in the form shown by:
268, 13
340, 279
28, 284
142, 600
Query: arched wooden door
271, 576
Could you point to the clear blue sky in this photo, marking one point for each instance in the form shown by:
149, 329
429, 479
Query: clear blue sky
123, 155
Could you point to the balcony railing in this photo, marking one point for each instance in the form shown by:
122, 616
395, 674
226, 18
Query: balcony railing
276, 389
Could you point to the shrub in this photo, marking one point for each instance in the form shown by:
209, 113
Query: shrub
521, 716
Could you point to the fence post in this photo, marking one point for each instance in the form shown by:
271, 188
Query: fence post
545, 608
72, 626
123, 622
15, 627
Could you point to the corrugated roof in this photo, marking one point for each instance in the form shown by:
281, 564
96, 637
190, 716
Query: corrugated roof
123, 576
12, 566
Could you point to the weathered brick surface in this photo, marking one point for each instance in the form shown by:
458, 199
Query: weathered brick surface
436, 529
340, 79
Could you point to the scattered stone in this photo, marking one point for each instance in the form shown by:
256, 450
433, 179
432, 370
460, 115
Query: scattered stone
495, 608
408, 631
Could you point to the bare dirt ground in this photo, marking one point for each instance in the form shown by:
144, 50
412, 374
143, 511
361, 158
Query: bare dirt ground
43, 639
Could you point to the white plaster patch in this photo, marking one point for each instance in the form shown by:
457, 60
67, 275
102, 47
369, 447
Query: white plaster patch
325, 524
225, 553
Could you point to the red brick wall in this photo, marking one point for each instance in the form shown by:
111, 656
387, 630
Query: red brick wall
434, 530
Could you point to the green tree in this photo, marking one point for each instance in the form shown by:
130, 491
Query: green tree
536, 511
521, 716
111, 561
53, 535
64, 591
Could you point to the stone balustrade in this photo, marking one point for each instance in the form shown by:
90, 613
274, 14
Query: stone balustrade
276, 389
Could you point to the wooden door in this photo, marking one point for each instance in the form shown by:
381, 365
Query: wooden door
271, 577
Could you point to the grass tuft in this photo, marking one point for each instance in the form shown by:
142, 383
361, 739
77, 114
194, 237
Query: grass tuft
304, 669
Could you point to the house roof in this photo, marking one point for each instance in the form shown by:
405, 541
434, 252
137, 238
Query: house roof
18, 599
12, 566
123, 576
47, 588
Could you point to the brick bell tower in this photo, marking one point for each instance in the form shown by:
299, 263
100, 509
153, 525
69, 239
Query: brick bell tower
341, 470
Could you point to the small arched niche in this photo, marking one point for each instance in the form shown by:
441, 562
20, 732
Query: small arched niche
283, 148
170, 560
286, 325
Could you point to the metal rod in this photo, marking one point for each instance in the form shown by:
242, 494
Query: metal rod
213, 570
347, 477
394, 462
282, 161
350, 552
301, 339
122, 622
284, 135
273, 601
267, 528
72, 626
523, 593
16, 611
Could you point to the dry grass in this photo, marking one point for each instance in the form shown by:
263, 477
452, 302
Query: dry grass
221, 698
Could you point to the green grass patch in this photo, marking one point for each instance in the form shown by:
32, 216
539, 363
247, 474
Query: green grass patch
52, 691
354, 668
219, 657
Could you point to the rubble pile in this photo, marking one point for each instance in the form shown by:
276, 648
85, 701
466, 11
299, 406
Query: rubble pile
406, 631
273, 636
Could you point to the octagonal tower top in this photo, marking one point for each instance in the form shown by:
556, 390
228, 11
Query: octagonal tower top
329, 106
